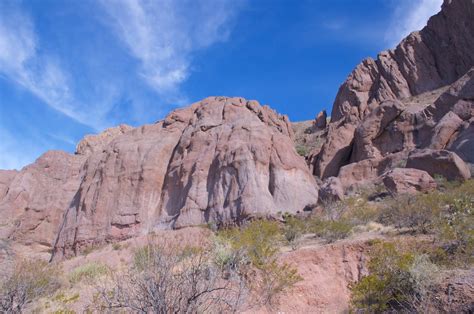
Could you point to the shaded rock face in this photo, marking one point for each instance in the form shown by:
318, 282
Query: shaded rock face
320, 121
331, 190
408, 181
435, 56
441, 162
34, 202
367, 122
220, 160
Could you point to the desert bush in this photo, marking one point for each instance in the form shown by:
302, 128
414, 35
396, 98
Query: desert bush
359, 211
412, 211
398, 280
257, 244
88, 272
293, 229
330, 230
301, 150
27, 281
171, 280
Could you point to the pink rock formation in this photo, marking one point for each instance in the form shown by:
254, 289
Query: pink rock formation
408, 181
220, 160
36, 198
91, 143
436, 56
320, 121
441, 162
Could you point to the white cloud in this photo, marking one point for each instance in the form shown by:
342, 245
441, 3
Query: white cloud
409, 16
163, 34
40, 74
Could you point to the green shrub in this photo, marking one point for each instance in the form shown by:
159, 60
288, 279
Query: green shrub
301, 150
89, 272
398, 281
257, 245
330, 230
293, 229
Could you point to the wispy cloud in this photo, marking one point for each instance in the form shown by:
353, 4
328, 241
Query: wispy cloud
409, 16
163, 34
22, 61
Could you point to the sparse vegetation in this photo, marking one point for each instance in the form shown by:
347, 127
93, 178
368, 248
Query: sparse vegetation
254, 247
88, 272
398, 281
301, 150
27, 281
170, 279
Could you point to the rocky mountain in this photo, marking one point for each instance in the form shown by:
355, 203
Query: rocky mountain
416, 96
223, 160
220, 161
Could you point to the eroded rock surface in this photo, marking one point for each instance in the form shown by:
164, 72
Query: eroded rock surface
440, 162
31, 209
220, 160
408, 181
430, 73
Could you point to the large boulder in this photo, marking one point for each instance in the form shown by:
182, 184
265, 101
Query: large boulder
464, 143
408, 181
439, 162
369, 171
220, 161
372, 127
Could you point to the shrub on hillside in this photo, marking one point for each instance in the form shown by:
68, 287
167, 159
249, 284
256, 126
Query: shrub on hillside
330, 230
88, 272
27, 281
171, 280
257, 244
397, 281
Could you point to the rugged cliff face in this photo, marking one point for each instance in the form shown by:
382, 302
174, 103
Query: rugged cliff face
364, 126
221, 160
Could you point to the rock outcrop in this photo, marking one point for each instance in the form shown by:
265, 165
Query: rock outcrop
331, 190
32, 208
220, 161
408, 181
419, 95
91, 143
440, 162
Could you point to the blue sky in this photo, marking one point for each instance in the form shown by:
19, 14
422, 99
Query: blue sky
75, 67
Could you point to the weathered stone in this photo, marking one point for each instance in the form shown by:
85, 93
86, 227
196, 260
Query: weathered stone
433, 57
408, 181
463, 146
423, 62
320, 121
6, 177
36, 198
369, 171
91, 143
331, 190
373, 125
439, 162
220, 160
